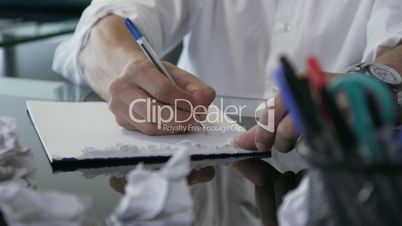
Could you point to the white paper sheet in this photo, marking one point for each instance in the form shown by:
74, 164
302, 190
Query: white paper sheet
89, 131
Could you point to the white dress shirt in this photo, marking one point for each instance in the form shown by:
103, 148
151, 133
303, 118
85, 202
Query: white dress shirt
234, 45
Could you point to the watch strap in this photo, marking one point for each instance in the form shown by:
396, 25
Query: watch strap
363, 68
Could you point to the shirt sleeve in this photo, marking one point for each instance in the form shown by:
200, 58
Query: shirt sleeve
163, 22
384, 28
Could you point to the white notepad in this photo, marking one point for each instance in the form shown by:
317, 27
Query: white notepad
88, 131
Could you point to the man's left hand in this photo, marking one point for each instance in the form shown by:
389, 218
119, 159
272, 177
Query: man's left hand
284, 136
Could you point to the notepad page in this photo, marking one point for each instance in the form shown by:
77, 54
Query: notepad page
88, 130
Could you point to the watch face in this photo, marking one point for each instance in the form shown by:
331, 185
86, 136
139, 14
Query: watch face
386, 74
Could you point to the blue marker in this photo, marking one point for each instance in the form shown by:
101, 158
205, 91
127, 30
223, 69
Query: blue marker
147, 49
288, 99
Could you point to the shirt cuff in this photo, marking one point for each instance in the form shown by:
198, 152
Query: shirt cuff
384, 45
66, 58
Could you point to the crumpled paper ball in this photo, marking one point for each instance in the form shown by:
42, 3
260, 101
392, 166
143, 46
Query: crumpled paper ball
294, 208
11, 151
22, 206
156, 198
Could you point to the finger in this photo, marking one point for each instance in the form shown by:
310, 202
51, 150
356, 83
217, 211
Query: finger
159, 87
256, 171
120, 110
201, 176
286, 135
246, 139
121, 115
264, 138
203, 93
155, 111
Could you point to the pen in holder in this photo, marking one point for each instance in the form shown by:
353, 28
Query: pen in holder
359, 184
356, 161
346, 193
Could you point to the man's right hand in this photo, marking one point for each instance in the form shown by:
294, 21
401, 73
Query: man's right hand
140, 81
118, 70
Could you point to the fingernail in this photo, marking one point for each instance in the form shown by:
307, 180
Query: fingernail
261, 146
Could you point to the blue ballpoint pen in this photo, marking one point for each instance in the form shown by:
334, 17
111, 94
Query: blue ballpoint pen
147, 49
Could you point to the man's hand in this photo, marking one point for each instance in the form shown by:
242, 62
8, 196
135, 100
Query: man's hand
118, 70
140, 81
284, 136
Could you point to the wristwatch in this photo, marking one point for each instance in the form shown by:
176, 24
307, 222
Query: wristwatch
382, 73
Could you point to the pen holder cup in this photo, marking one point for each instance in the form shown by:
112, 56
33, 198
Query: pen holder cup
344, 194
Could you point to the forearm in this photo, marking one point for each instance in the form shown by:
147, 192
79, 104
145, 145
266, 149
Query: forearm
109, 48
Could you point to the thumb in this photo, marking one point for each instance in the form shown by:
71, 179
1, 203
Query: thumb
246, 140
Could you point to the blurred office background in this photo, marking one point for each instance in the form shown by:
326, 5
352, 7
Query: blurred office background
30, 31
